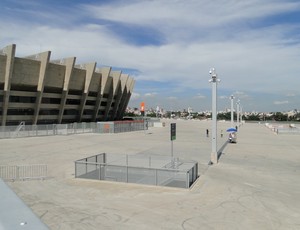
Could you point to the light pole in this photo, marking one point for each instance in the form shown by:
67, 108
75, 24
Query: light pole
241, 116
214, 81
231, 109
238, 113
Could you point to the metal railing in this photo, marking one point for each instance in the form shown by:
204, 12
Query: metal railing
288, 131
21, 126
283, 128
150, 170
129, 126
23, 172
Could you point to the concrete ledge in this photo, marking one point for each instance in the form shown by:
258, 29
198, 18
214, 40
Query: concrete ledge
14, 214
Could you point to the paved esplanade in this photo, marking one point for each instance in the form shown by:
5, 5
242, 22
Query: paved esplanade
255, 185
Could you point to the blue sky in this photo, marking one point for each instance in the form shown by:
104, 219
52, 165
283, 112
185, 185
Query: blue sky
169, 46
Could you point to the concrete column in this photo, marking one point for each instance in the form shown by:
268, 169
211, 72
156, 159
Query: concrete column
69, 63
119, 93
44, 59
105, 71
10, 52
115, 84
124, 80
129, 86
90, 69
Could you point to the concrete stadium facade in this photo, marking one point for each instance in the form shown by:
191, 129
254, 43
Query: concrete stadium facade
37, 90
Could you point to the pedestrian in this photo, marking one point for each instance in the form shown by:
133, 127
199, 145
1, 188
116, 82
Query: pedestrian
222, 133
207, 132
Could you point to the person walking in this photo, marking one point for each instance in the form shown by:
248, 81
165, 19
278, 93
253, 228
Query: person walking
207, 133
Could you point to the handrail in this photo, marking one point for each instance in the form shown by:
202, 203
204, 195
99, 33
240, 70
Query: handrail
18, 129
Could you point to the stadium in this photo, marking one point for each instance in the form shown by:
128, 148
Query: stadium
37, 90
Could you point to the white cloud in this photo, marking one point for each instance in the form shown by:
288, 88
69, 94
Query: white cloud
150, 94
194, 13
135, 96
240, 95
249, 57
199, 96
280, 102
291, 95
223, 97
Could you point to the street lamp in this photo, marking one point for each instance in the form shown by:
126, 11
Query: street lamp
241, 115
214, 80
238, 113
231, 109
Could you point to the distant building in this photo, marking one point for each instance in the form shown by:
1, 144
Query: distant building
38, 90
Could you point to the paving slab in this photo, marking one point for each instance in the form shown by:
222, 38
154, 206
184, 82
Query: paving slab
255, 185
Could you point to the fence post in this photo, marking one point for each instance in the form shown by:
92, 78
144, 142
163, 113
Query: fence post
86, 166
17, 173
99, 171
46, 170
127, 168
187, 179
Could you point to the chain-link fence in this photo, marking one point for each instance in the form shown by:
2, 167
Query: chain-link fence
140, 169
74, 128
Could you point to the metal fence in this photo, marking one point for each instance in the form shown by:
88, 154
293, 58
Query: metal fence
23, 172
150, 170
283, 128
288, 131
73, 128
128, 126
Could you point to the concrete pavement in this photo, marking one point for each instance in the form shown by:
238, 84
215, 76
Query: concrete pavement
255, 185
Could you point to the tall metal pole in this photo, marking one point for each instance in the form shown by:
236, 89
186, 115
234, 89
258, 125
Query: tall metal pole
241, 115
238, 113
231, 110
214, 81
